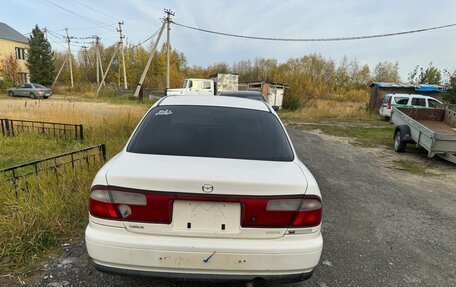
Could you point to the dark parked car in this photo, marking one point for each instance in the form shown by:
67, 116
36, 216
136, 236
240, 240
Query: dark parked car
33, 91
253, 95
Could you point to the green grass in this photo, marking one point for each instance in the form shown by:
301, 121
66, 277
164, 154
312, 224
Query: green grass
358, 136
49, 210
414, 167
30, 147
41, 213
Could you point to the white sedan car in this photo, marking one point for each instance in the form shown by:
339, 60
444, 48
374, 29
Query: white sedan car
206, 188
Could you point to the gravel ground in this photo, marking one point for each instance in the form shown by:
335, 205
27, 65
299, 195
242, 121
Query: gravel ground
382, 226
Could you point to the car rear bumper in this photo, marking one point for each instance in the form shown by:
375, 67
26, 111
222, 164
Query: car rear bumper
289, 258
385, 112
204, 277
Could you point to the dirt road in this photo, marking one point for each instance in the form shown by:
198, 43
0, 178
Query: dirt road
382, 226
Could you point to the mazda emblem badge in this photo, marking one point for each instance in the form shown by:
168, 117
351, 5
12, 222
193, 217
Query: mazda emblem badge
207, 188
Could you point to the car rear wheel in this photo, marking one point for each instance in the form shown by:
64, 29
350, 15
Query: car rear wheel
45, 97
11, 94
399, 145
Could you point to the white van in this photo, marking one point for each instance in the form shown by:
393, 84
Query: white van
406, 100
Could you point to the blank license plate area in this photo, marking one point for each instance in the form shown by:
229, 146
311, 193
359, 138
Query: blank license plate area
205, 216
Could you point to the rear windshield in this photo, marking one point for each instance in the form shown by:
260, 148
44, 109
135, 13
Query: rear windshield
39, 86
218, 132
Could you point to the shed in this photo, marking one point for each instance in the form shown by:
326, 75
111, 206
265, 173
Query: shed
380, 89
225, 82
273, 92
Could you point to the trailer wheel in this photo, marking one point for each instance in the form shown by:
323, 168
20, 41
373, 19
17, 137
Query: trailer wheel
399, 144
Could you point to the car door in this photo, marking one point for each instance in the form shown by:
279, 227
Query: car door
431, 103
194, 86
206, 88
19, 90
27, 89
418, 102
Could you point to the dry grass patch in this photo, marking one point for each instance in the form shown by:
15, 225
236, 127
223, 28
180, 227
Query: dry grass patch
53, 209
330, 109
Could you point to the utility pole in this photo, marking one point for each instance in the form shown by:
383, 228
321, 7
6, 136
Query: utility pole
169, 13
60, 71
45, 33
86, 62
107, 69
151, 55
123, 55
69, 57
97, 57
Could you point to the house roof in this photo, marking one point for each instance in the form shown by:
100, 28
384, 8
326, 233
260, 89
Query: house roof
8, 33
418, 87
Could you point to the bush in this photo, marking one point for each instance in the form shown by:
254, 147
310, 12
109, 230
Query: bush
450, 95
5, 84
291, 102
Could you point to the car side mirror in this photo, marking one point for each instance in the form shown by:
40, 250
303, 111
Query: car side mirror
275, 108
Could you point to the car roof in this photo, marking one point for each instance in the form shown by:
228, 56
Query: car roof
409, 95
240, 93
218, 101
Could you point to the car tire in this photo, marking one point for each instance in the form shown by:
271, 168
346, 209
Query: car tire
11, 94
44, 97
399, 144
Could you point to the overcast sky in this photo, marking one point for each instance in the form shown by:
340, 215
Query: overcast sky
285, 19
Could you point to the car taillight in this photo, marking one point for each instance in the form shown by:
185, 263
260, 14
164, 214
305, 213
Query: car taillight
286, 212
130, 206
40, 91
156, 207
388, 106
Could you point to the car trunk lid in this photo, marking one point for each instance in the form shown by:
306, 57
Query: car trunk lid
209, 194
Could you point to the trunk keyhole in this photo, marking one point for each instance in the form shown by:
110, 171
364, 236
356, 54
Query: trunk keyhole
189, 225
223, 226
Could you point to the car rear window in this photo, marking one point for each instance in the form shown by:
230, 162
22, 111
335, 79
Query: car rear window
401, 101
218, 132
39, 86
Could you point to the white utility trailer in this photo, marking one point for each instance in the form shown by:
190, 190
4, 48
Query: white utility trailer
432, 129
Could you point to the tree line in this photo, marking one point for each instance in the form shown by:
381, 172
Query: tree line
308, 77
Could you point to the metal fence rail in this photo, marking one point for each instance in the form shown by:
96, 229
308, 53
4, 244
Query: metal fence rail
85, 155
60, 130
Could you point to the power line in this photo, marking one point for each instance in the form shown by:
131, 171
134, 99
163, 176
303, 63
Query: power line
315, 39
53, 40
56, 34
94, 9
148, 38
98, 23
